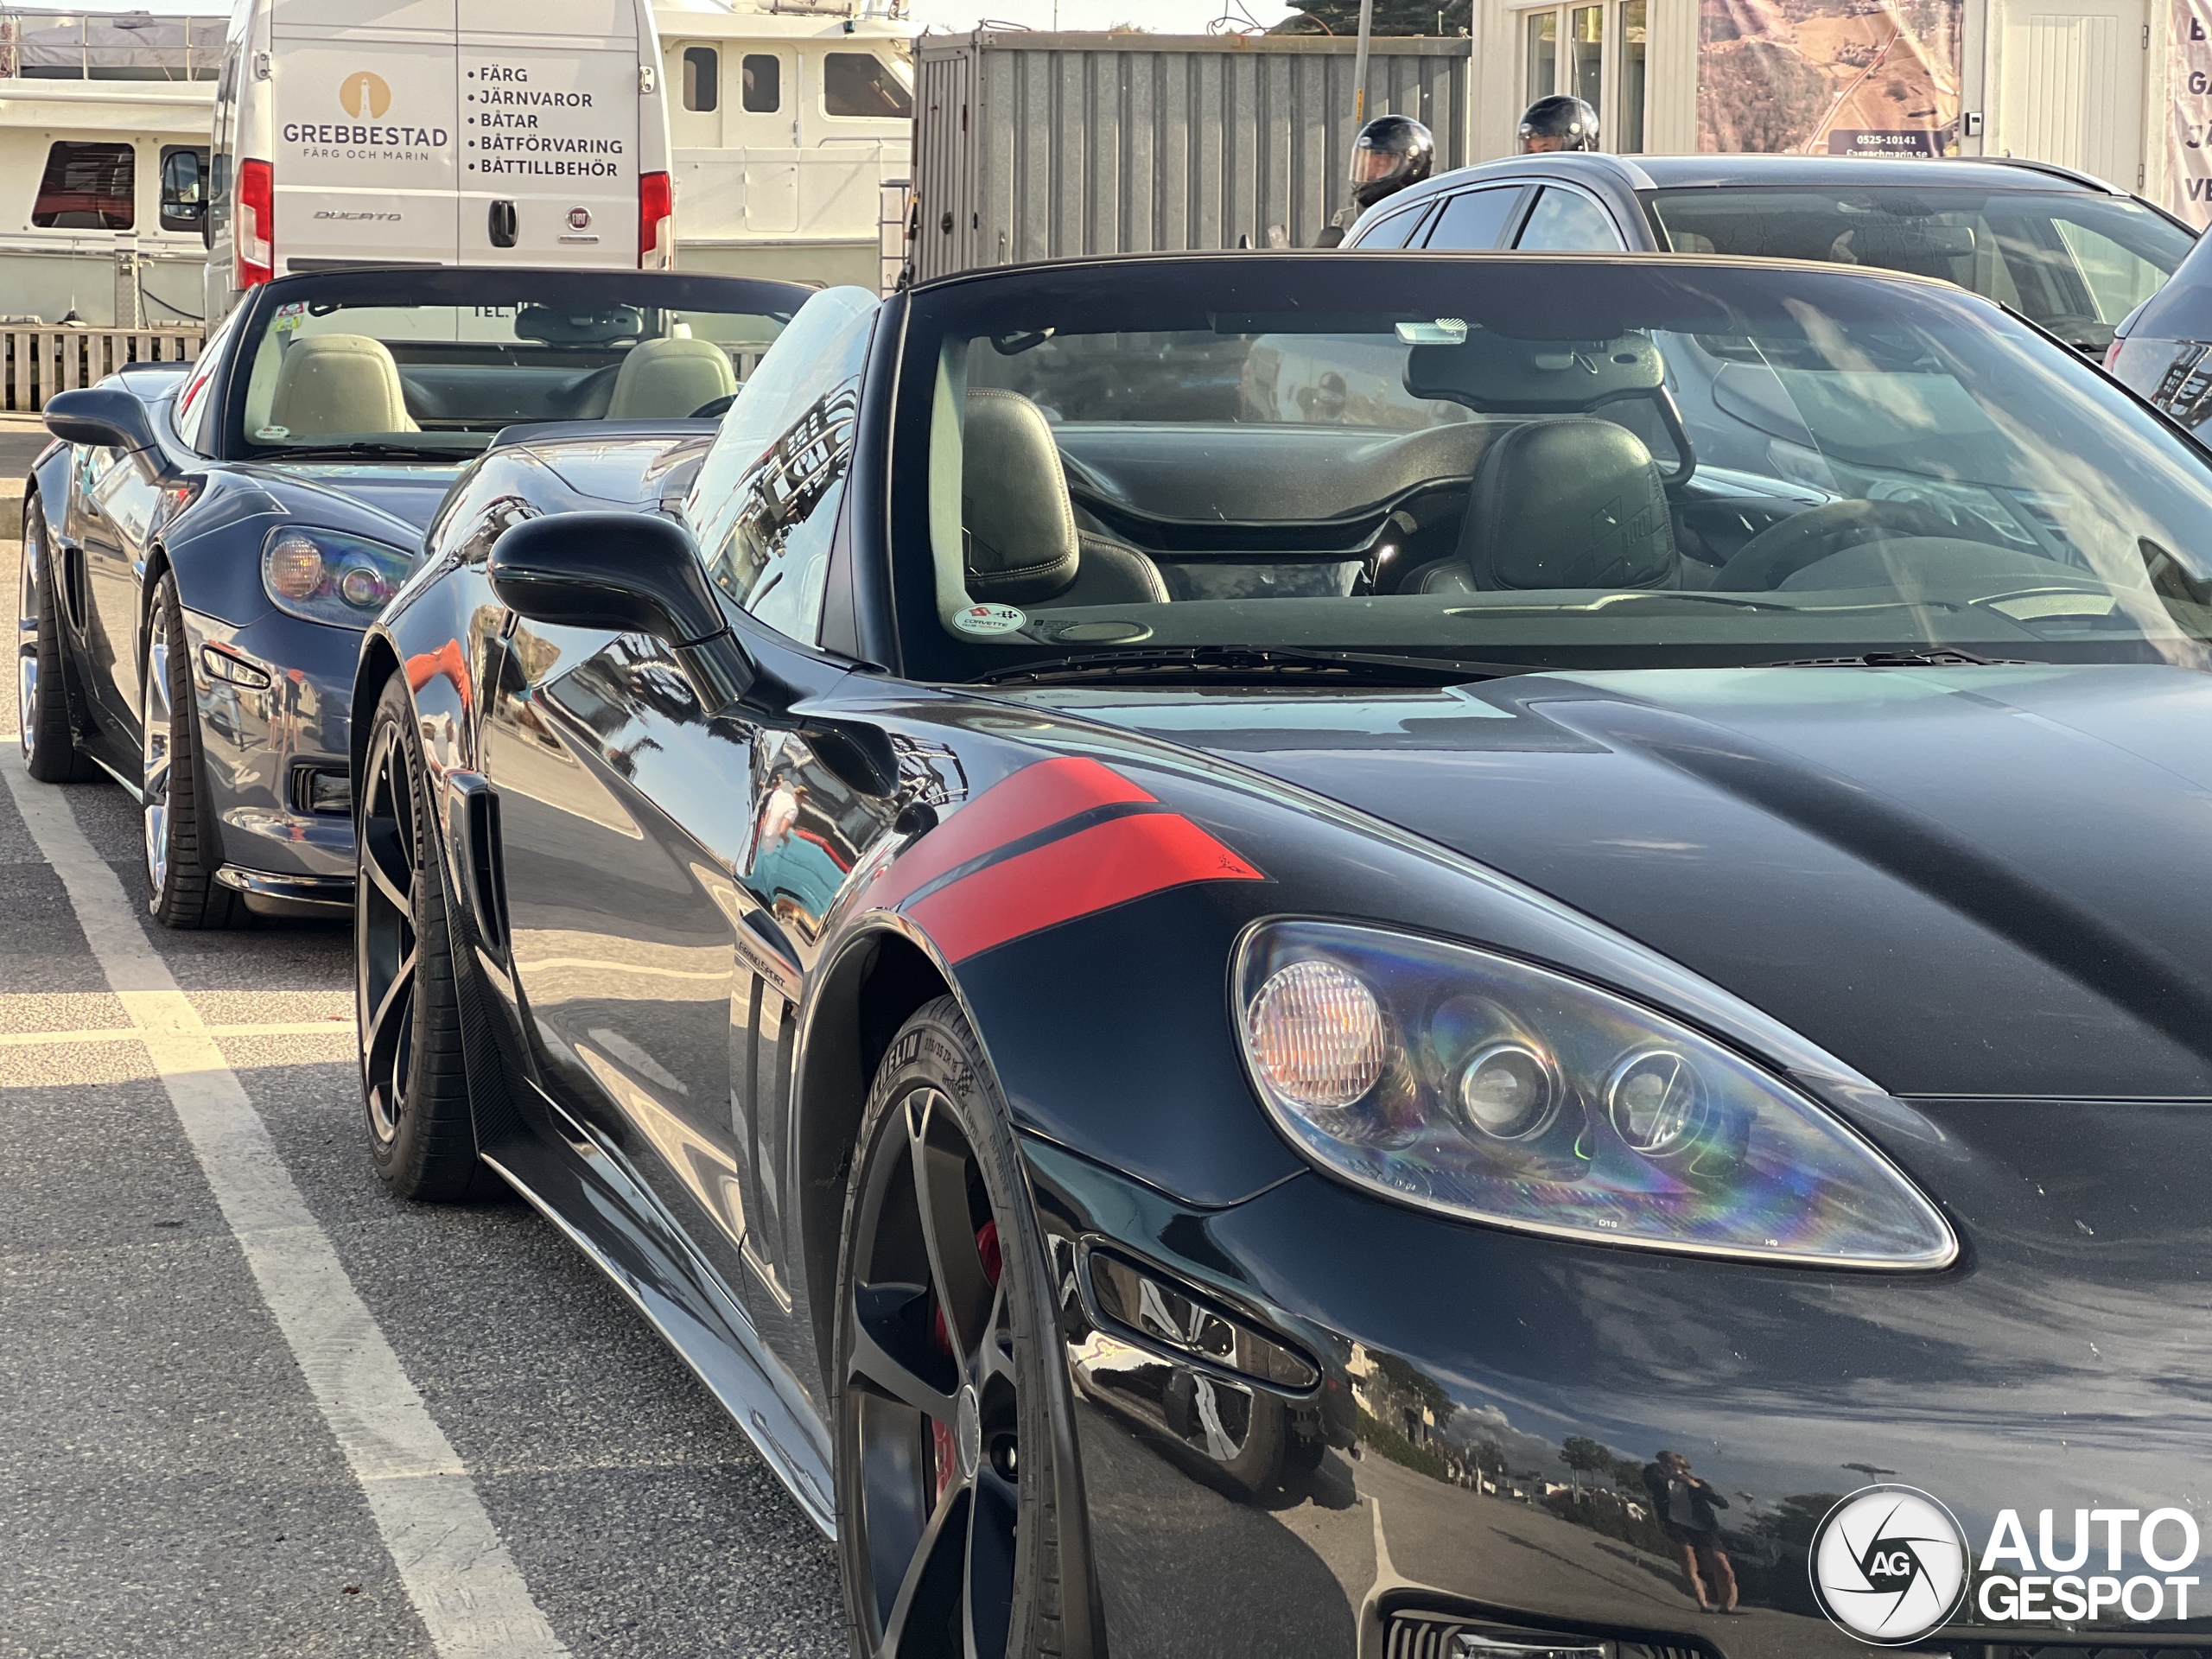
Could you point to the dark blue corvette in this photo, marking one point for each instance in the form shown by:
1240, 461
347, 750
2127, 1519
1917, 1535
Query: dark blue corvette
1416, 1025
204, 547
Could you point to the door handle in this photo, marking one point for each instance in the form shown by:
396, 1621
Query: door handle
504, 224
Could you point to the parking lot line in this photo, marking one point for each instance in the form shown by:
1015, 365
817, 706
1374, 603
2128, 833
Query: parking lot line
133, 1033
456, 1569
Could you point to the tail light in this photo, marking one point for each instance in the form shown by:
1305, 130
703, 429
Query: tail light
655, 222
254, 231
2112, 352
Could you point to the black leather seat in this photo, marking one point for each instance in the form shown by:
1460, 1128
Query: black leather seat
1571, 503
1024, 545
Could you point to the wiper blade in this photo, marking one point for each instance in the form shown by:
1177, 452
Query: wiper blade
1932, 657
367, 452
1233, 662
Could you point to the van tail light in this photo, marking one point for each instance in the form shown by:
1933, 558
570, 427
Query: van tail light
655, 222
2112, 352
255, 231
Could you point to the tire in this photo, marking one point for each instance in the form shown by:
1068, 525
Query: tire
49, 742
183, 846
947, 1521
414, 1079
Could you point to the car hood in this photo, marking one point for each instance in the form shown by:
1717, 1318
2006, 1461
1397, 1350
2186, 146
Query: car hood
1962, 881
406, 497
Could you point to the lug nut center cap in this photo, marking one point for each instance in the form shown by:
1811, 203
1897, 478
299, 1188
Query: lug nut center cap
968, 1432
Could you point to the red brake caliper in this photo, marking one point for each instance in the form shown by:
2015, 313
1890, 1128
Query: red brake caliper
945, 1456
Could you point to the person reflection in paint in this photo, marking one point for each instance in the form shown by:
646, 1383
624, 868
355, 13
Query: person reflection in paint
1685, 1506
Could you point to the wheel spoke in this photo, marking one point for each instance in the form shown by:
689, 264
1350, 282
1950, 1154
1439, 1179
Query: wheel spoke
993, 1354
377, 1041
879, 1309
987, 1617
929, 1595
948, 1231
380, 878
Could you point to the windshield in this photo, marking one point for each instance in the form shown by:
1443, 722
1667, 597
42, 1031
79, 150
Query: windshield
370, 367
2074, 262
1500, 460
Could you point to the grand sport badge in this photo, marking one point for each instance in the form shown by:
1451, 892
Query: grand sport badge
1889, 1564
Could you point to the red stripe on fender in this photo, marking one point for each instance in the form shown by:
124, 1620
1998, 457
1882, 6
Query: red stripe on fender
1108, 864
1036, 797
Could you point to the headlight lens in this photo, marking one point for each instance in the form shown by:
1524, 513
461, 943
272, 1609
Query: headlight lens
1483, 1087
324, 576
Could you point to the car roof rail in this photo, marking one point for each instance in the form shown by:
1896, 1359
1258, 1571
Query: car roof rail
2071, 175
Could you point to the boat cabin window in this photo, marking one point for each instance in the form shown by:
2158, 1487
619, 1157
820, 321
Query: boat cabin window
764, 83
87, 188
862, 84
702, 78
184, 186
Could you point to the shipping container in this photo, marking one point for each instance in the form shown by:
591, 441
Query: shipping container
1043, 146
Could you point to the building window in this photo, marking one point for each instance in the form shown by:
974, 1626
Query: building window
1602, 64
702, 78
764, 83
87, 188
862, 84
184, 187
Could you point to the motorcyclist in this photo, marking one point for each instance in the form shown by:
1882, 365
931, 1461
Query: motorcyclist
1559, 122
1391, 152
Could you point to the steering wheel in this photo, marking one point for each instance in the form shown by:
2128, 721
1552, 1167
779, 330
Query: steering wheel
1781, 551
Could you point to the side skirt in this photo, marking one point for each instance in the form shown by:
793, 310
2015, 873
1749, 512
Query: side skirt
563, 1182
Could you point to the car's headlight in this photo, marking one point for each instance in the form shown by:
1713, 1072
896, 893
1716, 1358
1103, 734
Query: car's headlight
325, 576
1483, 1087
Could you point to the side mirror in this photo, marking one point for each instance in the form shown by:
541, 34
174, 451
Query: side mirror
623, 572
105, 416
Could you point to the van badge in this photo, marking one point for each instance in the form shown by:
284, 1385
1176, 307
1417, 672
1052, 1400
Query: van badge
579, 219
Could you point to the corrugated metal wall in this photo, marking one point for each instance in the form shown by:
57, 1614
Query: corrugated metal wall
1038, 146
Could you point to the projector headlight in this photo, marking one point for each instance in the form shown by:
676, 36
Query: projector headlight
1483, 1087
325, 576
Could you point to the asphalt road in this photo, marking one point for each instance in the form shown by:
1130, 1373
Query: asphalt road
174, 1477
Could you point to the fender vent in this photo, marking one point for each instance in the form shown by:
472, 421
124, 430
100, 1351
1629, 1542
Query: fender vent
1412, 1635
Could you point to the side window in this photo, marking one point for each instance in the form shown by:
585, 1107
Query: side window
184, 186
763, 73
1394, 232
1567, 221
1476, 218
702, 78
767, 498
191, 414
862, 84
87, 188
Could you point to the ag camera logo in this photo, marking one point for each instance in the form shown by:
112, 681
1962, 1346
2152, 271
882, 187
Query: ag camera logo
1889, 1565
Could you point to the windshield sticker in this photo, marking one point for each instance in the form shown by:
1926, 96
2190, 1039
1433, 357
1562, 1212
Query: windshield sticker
990, 619
274, 432
1445, 331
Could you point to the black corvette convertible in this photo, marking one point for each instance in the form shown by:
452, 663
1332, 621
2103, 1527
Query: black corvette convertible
203, 550
1428, 1028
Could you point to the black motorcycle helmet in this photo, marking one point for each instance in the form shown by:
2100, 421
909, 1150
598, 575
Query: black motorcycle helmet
1558, 123
1391, 152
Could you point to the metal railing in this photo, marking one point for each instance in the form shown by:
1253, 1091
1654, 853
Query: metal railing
35, 362
40, 45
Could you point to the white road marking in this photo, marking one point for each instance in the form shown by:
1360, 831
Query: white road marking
135, 1033
457, 1570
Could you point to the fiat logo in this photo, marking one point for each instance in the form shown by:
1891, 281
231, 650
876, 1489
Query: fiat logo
579, 219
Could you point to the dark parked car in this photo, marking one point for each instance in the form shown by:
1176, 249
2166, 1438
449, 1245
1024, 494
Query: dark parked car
1216, 1032
2064, 250
204, 545
2161, 349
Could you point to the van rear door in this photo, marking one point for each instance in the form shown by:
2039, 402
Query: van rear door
364, 136
550, 93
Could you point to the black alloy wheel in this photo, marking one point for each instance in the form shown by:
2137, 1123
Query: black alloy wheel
50, 751
184, 847
947, 1520
413, 1081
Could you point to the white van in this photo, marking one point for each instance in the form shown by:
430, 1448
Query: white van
356, 132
